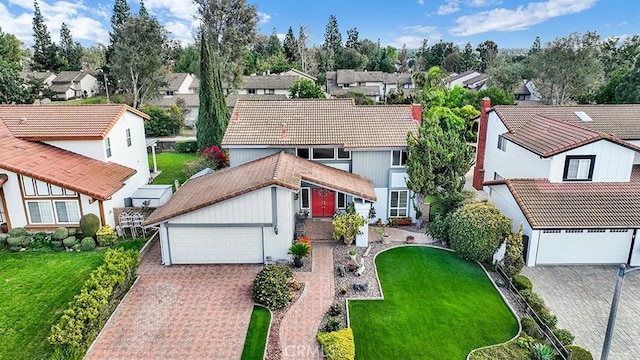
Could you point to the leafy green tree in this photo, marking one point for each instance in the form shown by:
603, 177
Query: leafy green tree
45, 53
290, 46
303, 36
352, 59
12, 90
69, 51
438, 160
162, 123
143, 10
454, 63
505, 74
213, 115
10, 48
567, 68
628, 89
188, 61
274, 46
333, 40
352, 39
476, 231
403, 61
513, 260
37, 89
488, 51
535, 47
497, 96
306, 89
231, 28
469, 59
140, 61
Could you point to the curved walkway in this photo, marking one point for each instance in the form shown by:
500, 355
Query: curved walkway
300, 324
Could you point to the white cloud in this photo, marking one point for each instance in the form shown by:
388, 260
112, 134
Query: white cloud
180, 9
18, 25
412, 42
450, 7
263, 18
180, 31
521, 18
482, 3
421, 2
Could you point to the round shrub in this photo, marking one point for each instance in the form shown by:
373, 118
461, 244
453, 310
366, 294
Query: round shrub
17, 231
61, 233
18, 241
477, 230
513, 260
89, 225
548, 318
69, 241
106, 236
530, 327
87, 244
271, 286
565, 336
439, 227
534, 300
72, 231
521, 282
578, 353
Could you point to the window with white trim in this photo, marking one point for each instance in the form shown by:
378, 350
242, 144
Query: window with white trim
107, 146
303, 152
36, 188
67, 211
398, 203
342, 200
577, 168
399, 157
269, 91
305, 196
323, 153
251, 91
344, 154
53, 211
40, 212
502, 143
128, 135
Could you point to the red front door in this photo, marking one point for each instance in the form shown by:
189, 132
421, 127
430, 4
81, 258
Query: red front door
323, 202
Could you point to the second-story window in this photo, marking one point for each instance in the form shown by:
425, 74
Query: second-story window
323, 153
128, 134
577, 168
251, 91
107, 146
399, 158
502, 143
303, 152
270, 91
344, 154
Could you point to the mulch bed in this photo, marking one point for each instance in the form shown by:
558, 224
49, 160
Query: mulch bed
274, 352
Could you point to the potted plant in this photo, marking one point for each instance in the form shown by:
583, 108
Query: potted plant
410, 239
343, 289
352, 254
299, 250
302, 214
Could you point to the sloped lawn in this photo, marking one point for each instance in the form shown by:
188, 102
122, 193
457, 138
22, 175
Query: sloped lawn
170, 165
436, 306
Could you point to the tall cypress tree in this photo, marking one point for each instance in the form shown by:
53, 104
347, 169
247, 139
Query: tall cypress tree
44, 50
290, 47
213, 115
121, 13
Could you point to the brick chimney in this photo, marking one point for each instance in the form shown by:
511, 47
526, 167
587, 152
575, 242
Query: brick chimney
416, 112
478, 171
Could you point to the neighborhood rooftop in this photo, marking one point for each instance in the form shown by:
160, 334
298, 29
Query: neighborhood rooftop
311, 122
618, 120
281, 169
577, 205
51, 122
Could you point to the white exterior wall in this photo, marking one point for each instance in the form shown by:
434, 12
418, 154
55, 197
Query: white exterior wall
89, 148
184, 87
89, 84
515, 161
381, 205
15, 207
501, 197
277, 245
613, 162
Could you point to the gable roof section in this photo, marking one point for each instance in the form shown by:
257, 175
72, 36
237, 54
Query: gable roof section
60, 167
577, 205
309, 122
173, 81
621, 121
547, 137
60, 122
69, 76
279, 82
281, 169
232, 98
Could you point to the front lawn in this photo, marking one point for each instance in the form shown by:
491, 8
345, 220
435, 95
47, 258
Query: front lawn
256, 340
170, 165
35, 288
436, 306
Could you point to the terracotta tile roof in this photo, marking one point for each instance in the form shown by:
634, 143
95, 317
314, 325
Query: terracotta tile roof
621, 121
547, 137
232, 98
60, 167
63, 122
319, 122
282, 169
578, 205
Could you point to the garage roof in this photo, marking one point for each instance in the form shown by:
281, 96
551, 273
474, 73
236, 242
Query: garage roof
577, 205
281, 169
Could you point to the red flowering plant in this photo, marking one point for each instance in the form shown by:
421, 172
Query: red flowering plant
306, 240
214, 153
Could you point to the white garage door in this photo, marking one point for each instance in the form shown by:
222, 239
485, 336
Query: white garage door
215, 245
583, 247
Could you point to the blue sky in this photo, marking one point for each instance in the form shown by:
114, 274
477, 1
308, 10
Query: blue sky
510, 23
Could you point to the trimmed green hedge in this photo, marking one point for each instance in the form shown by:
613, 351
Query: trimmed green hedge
88, 312
521, 282
338, 345
187, 146
578, 353
272, 286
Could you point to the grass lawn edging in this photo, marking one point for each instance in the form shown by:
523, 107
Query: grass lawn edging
268, 330
145, 249
504, 299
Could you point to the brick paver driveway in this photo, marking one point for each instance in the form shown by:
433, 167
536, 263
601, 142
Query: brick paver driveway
180, 312
581, 298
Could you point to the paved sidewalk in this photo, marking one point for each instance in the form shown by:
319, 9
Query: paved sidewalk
580, 296
300, 325
180, 312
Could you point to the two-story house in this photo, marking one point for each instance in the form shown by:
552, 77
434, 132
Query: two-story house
74, 84
376, 85
470, 79
58, 163
310, 156
570, 175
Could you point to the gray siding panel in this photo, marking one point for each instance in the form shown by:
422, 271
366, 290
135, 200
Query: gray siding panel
241, 156
373, 165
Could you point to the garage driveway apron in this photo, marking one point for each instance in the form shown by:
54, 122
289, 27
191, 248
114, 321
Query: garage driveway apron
180, 312
581, 298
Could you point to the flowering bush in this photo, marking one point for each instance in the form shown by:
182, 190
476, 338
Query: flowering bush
214, 153
306, 240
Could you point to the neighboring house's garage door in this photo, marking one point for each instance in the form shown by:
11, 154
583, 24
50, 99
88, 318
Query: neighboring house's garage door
215, 245
584, 247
